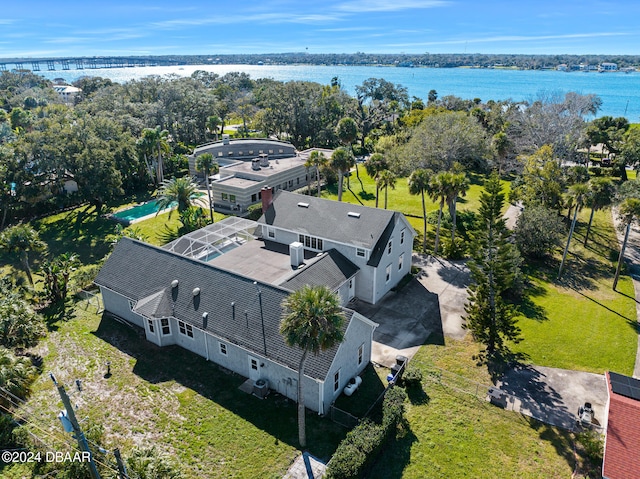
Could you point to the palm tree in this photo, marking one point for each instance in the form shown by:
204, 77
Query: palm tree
629, 211
21, 239
347, 131
318, 160
213, 122
156, 141
457, 184
313, 321
180, 191
577, 193
437, 191
374, 166
418, 184
341, 161
206, 164
601, 191
16, 374
385, 180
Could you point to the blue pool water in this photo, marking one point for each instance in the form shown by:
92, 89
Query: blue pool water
136, 212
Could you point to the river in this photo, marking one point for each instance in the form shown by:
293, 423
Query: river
620, 92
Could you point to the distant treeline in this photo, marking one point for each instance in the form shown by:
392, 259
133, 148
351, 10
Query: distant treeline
439, 60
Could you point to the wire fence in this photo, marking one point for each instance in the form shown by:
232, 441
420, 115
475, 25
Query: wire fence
90, 299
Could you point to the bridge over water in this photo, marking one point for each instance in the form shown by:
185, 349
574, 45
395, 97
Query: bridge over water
80, 63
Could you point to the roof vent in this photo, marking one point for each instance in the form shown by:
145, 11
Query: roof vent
196, 291
353, 214
303, 205
174, 283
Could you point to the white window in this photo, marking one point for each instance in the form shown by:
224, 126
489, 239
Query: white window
164, 325
225, 196
360, 354
336, 381
402, 236
360, 252
232, 198
132, 304
150, 325
389, 247
388, 277
400, 261
223, 349
311, 242
185, 329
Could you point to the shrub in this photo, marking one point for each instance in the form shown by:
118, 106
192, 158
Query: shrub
363, 443
596, 170
538, 231
412, 377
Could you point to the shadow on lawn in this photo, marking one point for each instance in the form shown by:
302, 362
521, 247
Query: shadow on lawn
80, 231
395, 456
276, 414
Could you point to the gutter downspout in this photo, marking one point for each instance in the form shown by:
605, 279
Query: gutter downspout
320, 401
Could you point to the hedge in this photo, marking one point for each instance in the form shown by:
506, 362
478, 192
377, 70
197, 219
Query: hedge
360, 448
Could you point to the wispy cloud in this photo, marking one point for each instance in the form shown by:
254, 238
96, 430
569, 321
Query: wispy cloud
346, 29
270, 18
361, 6
7, 21
509, 38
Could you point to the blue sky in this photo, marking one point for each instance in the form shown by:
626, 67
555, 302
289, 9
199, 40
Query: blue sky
132, 27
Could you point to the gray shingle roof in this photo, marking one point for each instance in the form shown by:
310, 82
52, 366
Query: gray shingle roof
140, 271
332, 269
328, 219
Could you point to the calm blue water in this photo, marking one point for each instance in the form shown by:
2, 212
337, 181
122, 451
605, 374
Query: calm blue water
620, 92
136, 212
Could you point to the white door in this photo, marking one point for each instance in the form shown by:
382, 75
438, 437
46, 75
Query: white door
254, 368
352, 288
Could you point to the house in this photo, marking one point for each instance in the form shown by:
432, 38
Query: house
67, 93
608, 67
621, 459
378, 242
249, 164
225, 317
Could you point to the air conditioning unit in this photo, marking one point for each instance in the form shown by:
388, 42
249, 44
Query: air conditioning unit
261, 388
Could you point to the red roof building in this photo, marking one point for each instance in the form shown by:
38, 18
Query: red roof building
622, 443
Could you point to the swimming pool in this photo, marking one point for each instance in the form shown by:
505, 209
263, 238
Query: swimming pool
219, 250
144, 210
138, 212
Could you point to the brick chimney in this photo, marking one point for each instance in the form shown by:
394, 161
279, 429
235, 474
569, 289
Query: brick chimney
266, 194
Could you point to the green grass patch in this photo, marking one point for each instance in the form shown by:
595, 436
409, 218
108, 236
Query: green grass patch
399, 198
579, 322
452, 434
169, 397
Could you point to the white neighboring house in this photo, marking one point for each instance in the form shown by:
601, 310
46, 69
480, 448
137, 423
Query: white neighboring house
67, 93
228, 319
378, 242
608, 67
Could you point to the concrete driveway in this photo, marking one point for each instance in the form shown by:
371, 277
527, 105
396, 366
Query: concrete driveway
424, 311
554, 395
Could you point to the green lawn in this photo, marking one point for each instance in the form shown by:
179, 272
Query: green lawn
170, 398
450, 434
580, 322
399, 198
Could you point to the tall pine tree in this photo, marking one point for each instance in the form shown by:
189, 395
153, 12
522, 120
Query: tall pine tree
495, 267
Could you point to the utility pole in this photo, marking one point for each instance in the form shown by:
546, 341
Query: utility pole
82, 441
121, 469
